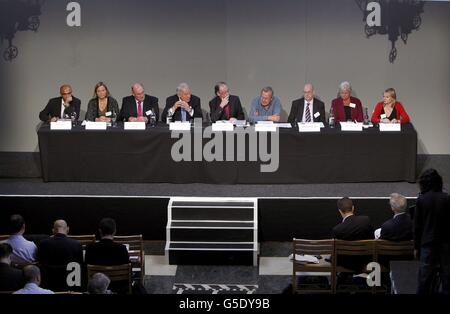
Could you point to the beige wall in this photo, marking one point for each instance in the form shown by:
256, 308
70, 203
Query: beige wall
248, 43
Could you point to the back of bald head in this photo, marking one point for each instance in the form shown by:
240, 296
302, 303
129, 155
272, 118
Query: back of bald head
60, 226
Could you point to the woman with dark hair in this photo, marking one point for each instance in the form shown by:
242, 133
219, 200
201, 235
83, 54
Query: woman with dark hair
102, 107
432, 233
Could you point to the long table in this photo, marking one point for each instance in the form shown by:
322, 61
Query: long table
331, 156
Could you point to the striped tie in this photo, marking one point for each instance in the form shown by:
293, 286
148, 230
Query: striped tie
307, 114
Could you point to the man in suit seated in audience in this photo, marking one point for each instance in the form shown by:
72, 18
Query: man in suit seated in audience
55, 253
11, 279
399, 227
352, 228
32, 276
24, 251
106, 252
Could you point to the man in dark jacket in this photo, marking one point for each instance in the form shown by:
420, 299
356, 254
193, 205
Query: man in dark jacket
399, 227
11, 279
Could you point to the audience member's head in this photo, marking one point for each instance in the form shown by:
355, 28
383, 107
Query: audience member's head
32, 274
345, 206
61, 227
98, 284
430, 180
16, 224
398, 203
5, 253
107, 227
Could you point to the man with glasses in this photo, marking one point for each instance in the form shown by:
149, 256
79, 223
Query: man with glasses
60, 107
308, 108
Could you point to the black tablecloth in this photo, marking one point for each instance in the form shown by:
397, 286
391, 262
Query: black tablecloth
331, 156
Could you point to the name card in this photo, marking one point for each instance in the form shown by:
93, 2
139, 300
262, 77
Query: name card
134, 126
352, 105
222, 126
265, 127
90, 125
351, 126
390, 127
309, 127
180, 126
61, 125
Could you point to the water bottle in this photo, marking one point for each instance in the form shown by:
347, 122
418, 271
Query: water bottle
113, 119
152, 119
366, 116
169, 117
331, 119
73, 117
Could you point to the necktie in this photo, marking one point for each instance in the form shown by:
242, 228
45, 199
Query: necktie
139, 113
226, 110
307, 114
183, 115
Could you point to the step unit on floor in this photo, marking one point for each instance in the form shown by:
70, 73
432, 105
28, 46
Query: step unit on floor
209, 230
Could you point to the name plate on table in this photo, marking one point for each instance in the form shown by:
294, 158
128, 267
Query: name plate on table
180, 126
390, 127
90, 125
309, 127
222, 126
351, 126
263, 127
134, 126
61, 125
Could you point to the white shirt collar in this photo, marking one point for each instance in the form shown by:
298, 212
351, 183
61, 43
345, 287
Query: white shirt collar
399, 214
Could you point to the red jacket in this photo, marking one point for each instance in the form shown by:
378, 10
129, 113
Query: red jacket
339, 113
402, 116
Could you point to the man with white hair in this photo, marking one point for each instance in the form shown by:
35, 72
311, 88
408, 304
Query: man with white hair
139, 106
98, 284
399, 227
308, 108
183, 106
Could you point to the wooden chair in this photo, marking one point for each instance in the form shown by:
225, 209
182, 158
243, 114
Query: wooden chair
4, 237
387, 251
135, 244
117, 274
83, 239
352, 257
322, 248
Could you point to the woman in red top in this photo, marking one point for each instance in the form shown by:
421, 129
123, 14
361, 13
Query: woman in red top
390, 110
346, 108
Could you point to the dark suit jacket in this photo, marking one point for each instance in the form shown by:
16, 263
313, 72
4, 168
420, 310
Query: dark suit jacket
53, 108
217, 112
337, 105
194, 103
298, 107
107, 253
353, 228
399, 228
432, 219
11, 279
59, 250
129, 108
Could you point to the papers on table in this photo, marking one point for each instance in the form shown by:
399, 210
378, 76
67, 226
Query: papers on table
390, 127
179, 126
309, 259
61, 125
284, 125
240, 123
351, 126
265, 126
